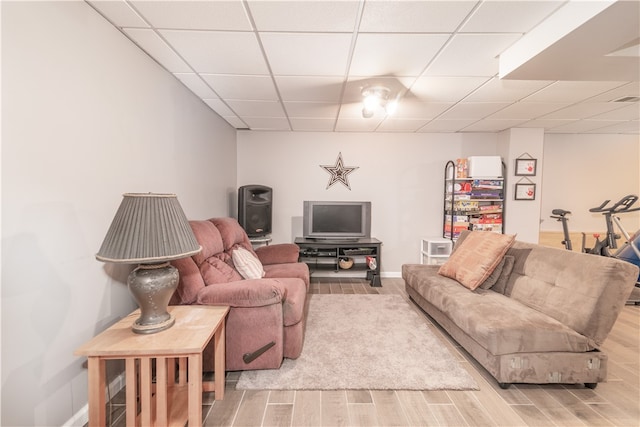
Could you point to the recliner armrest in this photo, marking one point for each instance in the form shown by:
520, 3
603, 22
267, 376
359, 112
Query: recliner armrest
280, 253
243, 293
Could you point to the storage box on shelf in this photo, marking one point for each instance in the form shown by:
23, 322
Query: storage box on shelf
472, 203
434, 250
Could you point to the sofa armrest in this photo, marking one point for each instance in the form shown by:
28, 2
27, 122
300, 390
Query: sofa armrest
280, 253
243, 293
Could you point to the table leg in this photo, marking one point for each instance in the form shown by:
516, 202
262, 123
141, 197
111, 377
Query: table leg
97, 382
161, 392
195, 389
145, 391
219, 348
182, 370
131, 391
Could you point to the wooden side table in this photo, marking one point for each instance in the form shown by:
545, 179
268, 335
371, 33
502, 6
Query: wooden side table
175, 400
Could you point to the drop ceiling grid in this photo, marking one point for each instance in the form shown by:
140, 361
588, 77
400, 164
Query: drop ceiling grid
301, 65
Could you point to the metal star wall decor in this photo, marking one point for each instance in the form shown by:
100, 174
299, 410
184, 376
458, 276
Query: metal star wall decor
339, 172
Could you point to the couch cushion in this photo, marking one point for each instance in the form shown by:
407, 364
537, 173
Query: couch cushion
208, 237
190, 283
232, 234
215, 270
298, 270
582, 291
247, 264
476, 258
293, 305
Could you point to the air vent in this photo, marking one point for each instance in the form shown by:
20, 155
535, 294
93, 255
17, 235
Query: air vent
627, 99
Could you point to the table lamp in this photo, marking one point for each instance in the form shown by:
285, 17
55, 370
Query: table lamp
150, 230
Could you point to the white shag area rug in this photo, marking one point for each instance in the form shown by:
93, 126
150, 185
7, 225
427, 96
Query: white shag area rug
364, 342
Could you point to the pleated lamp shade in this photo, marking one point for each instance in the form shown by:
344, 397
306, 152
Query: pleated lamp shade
148, 228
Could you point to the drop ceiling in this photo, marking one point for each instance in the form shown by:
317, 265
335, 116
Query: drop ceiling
454, 66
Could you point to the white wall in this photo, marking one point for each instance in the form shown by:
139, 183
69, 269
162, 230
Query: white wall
401, 174
582, 171
86, 117
522, 216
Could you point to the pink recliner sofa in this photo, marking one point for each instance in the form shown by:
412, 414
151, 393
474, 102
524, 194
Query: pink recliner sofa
267, 315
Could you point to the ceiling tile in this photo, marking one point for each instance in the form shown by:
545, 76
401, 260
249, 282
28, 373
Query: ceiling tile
471, 55
526, 110
414, 16
546, 124
310, 88
304, 16
582, 126
256, 108
630, 127
195, 15
446, 125
416, 109
582, 111
509, 16
628, 89
401, 125
219, 107
472, 110
492, 125
218, 52
394, 54
196, 85
302, 124
267, 123
256, 88
499, 90
311, 109
313, 54
119, 13
357, 125
445, 89
629, 111
571, 91
235, 122
158, 49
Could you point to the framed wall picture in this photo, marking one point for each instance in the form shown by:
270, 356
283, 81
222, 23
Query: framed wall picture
526, 167
525, 191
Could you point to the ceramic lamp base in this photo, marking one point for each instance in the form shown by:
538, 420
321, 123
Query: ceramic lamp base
152, 286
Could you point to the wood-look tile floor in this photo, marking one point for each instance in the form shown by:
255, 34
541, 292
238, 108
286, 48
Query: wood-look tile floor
614, 403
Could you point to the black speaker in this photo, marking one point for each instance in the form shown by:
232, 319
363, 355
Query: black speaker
254, 209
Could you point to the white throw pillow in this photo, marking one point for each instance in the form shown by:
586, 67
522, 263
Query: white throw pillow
247, 264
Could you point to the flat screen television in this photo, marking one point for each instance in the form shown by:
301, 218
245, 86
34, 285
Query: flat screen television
336, 220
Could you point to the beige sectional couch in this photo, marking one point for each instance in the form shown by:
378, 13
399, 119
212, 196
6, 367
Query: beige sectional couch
542, 322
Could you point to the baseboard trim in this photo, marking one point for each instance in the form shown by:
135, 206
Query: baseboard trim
81, 418
391, 274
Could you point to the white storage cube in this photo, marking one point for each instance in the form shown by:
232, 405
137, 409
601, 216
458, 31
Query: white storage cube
485, 166
435, 251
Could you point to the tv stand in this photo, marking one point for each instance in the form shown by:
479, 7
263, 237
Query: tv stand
323, 257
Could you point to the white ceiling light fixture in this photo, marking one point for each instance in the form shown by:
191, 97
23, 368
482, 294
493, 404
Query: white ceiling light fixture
375, 97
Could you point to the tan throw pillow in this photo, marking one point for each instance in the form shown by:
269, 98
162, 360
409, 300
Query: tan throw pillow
247, 264
476, 258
